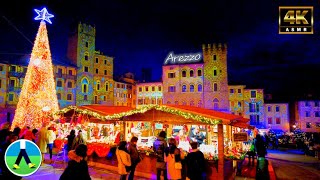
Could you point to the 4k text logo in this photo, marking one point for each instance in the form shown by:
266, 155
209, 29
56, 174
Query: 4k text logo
295, 20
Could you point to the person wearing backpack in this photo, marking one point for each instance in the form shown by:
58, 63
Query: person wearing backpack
195, 163
159, 147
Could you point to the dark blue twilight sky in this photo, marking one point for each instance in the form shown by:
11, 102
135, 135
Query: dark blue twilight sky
141, 34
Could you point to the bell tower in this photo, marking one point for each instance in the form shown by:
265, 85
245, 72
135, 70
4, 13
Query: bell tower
215, 77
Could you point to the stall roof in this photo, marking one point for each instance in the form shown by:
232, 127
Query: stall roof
175, 113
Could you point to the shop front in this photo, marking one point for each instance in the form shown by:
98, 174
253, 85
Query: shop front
105, 126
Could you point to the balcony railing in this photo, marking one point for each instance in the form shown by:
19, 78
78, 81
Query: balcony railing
16, 74
15, 89
66, 76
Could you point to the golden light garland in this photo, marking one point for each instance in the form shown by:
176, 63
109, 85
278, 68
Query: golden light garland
38, 97
143, 109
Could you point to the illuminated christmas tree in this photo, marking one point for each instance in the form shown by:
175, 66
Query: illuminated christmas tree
38, 98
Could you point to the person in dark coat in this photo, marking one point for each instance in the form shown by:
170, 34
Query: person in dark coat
195, 163
70, 138
134, 155
159, 146
260, 146
77, 165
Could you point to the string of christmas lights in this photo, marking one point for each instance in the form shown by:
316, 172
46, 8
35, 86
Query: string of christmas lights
143, 109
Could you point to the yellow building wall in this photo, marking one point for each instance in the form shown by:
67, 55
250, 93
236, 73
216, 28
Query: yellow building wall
236, 99
272, 113
149, 93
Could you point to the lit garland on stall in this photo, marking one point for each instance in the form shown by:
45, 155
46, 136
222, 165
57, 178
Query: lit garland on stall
38, 99
143, 109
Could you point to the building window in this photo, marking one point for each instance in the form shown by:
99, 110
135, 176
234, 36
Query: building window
231, 91
199, 87
153, 88
97, 71
278, 120
86, 57
147, 88
12, 83
191, 88
254, 119
317, 114
199, 103
98, 86
239, 104
59, 83
59, 96
86, 69
70, 72
172, 89
215, 104
1, 68
184, 88
191, 103
277, 109
199, 72
269, 108
97, 60
307, 103
176, 102
69, 84
252, 107
239, 91
85, 97
308, 124
105, 72
87, 44
118, 85
85, 85
107, 87
316, 104
104, 98
10, 97
59, 71
191, 73
159, 88
13, 68
171, 75
215, 87
105, 61
214, 57
307, 114
140, 101
215, 72
253, 94
140, 89
269, 120
69, 97
184, 73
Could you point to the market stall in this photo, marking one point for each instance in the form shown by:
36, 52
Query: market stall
212, 130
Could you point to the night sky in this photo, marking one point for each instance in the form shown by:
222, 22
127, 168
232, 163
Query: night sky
141, 34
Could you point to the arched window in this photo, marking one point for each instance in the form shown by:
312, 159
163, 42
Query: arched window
184, 73
184, 88
84, 84
107, 86
215, 103
199, 72
215, 87
192, 103
98, 85
168, 102
184, 103
59, 96
86, 56
199, 87
176, 103
215, 72
199, 103
191, 88
191, 73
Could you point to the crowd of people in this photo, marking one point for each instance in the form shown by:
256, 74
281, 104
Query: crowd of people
170, 163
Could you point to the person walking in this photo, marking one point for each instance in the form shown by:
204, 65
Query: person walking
70, 138
260, 146
173, 159
43, 140
124, 160
134, 155
77, 166
51, 136
195, 163
159, 147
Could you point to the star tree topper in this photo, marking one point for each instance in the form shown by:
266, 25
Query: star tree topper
43, 15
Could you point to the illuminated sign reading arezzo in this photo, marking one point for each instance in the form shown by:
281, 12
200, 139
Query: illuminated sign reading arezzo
182, 58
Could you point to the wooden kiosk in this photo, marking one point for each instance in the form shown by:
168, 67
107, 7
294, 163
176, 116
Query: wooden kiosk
223, 123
